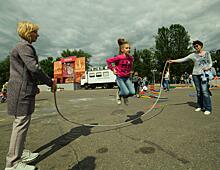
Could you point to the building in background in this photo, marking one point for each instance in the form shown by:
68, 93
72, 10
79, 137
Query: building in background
69, 70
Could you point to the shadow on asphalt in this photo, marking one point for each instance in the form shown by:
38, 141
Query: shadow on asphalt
140, 114
150, 150
73, 134
61, 141
87, 163
192, 104
41, 99
169, 152
135, 118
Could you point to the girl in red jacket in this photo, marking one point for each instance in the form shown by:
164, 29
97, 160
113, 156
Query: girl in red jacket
122, 69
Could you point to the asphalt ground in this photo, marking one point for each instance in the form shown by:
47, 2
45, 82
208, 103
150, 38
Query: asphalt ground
170, 137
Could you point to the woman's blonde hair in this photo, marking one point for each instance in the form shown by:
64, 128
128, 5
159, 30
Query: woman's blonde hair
25, 28
121, 42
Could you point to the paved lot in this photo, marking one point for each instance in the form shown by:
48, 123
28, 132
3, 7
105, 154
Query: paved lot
171, 137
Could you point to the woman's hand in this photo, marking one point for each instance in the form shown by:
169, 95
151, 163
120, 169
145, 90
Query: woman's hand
171, 61
38, 91
54, 87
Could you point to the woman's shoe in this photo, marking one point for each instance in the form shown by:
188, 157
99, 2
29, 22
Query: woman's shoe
21, 166
28, 156
198, 109
207, 112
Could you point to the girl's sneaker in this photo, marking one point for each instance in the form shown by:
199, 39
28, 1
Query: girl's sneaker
118, 98
125, 100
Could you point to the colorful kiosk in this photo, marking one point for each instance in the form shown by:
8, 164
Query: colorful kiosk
69, 70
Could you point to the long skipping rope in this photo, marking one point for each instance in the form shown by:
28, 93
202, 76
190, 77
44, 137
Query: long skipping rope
117, 124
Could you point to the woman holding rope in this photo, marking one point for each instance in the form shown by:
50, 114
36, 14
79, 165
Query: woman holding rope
22, 89
202, 64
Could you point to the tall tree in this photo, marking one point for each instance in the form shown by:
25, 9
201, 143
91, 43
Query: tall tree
47, 66
173, 43
162, 40
144, 62
179, 41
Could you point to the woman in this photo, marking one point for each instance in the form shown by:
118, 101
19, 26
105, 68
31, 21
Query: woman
22, 89
122, 69
202, 63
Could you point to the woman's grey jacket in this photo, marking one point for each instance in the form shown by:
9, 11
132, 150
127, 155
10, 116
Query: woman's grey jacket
24, 74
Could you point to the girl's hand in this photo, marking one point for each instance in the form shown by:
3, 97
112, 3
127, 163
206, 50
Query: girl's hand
114, 71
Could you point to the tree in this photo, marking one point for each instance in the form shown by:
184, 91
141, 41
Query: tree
77, 53
47, 66
173, 43
162, 52
4, 70
144, 62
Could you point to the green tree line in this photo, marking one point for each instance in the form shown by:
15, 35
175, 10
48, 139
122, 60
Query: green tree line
170, 43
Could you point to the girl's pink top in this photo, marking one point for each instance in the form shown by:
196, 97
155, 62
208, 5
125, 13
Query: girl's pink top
122, 65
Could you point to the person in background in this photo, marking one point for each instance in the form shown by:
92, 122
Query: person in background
186, 78
202, 63
5, 87
137, 83
182, 80
4, 92
174, 80
122, 68
25, 71
166, 80
144, 84
191, 80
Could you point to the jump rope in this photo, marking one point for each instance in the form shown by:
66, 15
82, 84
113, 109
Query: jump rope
117, 124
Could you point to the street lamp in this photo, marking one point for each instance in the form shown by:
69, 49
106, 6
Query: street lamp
153, 71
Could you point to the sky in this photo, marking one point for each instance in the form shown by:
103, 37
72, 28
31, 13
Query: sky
95, 25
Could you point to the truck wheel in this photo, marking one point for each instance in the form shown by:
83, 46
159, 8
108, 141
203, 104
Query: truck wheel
86, 86
105, 86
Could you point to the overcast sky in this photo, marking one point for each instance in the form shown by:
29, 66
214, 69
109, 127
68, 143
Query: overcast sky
95, 25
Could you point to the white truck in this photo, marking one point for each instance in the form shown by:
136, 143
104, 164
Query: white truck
98, 78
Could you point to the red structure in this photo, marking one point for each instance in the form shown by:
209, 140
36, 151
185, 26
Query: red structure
69, 70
